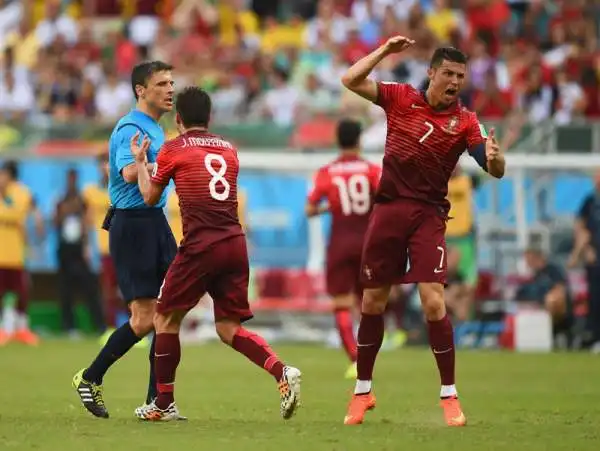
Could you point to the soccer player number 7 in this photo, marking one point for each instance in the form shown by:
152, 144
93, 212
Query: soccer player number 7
139, 151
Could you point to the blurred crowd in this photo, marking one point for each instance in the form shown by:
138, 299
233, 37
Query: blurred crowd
281, 60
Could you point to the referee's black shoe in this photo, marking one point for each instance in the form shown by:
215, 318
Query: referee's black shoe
90, 395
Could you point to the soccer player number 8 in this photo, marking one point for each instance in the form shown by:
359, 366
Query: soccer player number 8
217, 176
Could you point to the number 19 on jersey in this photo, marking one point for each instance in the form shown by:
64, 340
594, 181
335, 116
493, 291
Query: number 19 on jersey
355, 194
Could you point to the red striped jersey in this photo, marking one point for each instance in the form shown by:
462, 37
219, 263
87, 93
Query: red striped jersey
423, 145
348, 183
205, 169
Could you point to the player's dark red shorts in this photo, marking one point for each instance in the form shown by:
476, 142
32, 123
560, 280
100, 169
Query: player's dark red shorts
401, 232
108, 271
343, 269
14, 280
221, 270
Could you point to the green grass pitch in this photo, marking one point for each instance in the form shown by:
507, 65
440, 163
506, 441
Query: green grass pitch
513, 402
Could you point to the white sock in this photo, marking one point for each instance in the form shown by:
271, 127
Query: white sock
22, 321
9, 319
362, 387
447, 391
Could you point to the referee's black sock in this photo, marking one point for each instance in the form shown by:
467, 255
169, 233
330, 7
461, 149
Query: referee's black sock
152, 390
121, 341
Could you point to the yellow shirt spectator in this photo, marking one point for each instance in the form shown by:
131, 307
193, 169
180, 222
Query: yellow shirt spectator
14, 208
229, 19
174, 215
276, 36
97, 200
25, 48
442, 22
460, 195
242, 208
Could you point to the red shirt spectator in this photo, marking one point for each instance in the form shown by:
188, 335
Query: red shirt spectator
491, 102
354, 48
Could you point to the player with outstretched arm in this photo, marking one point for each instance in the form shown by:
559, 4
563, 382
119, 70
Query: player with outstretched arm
427, 132
212, 257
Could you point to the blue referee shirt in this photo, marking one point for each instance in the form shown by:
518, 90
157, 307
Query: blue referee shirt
123, 194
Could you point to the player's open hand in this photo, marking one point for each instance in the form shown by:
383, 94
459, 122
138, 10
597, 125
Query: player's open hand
398, 44
492, 148
139, 151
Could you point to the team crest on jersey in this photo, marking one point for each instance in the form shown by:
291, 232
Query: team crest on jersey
452, 125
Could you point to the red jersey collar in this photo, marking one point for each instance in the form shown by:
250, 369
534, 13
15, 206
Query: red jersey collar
452, 109
349, 157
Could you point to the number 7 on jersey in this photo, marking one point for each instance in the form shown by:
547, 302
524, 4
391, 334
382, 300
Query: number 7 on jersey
428, 132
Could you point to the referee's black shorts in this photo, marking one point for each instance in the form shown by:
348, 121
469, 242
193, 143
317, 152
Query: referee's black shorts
142, 247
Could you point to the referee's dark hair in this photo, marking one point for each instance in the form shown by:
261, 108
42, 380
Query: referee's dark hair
12, 168
193, 106
348, 134
141, 74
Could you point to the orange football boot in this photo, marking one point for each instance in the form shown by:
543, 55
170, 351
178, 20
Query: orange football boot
4, 337
453, 414
358, 407
27, 337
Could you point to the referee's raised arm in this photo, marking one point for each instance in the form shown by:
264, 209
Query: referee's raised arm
141, 243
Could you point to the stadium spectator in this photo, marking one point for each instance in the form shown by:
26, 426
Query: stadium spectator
538, 98
328, 25
460, 234
315, 99
531, 46
481, 63
227, 99
24, 45
11, 13
113, 98
459, 297
86, 104
16, 100
442, 21
74, 257
363, 13
571, 102
56, 23
491, 102
547, 288
587, 250
281, 102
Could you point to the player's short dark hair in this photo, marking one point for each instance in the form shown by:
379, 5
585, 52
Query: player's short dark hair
348, 133
12, 168
193, 105
144, 71
451, 54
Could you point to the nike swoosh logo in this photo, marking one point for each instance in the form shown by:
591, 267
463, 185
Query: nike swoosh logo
437, 271
360, 345
442, 352
415, 106
164, 355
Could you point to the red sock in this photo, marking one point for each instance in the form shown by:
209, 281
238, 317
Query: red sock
256, 349
370, 338
343, 321
441, 340
167, 353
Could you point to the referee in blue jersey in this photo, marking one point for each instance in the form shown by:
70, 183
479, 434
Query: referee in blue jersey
141, 243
